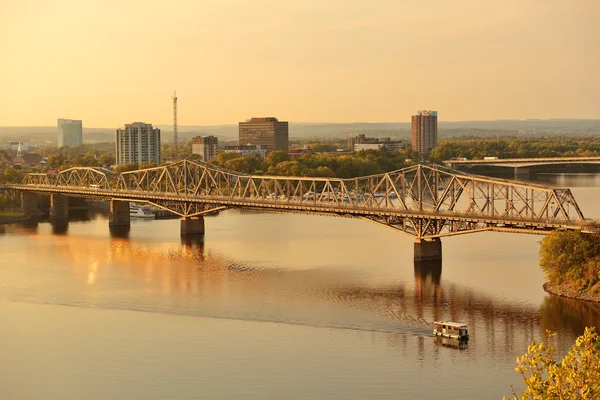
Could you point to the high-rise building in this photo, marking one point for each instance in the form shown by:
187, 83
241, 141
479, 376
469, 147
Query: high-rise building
138, 143
424, 131
205, 146
70, 132
269, 133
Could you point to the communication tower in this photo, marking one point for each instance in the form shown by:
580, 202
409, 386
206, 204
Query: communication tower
175, 125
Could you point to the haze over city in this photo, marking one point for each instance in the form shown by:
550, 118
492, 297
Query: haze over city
113, 62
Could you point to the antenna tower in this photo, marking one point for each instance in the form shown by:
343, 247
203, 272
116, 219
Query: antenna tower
175, 125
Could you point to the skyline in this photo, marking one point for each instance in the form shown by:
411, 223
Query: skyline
113, 62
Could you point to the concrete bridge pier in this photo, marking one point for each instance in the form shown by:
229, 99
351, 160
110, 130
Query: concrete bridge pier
192, 226
522, 172
118, 217
29, 206
59, 207
428, 250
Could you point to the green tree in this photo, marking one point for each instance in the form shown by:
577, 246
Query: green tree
149, 164
276, 157
222, 158
12, 175
576, 376
572, 260
239, 164
125, 168
107, 159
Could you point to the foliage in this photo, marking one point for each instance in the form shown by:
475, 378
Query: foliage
149, 164
11, 175
125, 168
576, 376
514, 147
572, 259
3, 202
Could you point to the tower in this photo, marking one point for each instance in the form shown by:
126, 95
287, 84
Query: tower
424, 131
175, 125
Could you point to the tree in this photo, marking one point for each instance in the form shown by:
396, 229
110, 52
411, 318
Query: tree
576, 376
149, 164
572, 260
276, 157
12, 175
3, 202
107, 159
125, 168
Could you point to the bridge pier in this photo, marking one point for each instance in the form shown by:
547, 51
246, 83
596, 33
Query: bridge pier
428, 250
59, 207
521, 172
192, 226
29, 206
118, 218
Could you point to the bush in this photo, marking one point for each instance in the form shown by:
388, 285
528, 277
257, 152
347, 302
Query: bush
576, 376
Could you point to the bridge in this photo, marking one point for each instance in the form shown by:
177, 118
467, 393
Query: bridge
427, 202
521, 166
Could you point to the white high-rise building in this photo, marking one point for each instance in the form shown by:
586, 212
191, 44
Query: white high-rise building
70, 132
138, 143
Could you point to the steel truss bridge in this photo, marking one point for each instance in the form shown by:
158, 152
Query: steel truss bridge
425, 201
524, 162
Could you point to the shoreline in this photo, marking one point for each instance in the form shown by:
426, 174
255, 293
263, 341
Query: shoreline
568, 293
12, 220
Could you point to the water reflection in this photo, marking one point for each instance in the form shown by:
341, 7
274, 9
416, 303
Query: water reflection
120, 231
198, 281
60, 226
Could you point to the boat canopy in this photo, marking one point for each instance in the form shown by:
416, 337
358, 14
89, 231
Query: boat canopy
458, 325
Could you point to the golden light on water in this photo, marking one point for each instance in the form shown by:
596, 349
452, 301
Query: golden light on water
91, 277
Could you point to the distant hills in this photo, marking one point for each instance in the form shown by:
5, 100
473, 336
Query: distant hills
300, 130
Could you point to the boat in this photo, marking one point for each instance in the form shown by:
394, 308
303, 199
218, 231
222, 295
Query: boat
448, 329
137, 211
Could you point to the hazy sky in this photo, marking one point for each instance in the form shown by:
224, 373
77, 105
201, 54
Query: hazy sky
111, 62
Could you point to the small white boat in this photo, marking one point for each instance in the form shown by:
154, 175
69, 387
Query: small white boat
447, 329
137, 211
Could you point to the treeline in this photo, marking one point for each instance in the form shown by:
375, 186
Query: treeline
571, 260
361, 163
514, 147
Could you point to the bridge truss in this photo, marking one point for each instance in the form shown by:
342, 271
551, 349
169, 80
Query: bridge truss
425, 201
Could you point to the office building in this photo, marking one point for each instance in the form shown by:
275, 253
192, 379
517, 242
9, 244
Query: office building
424, 131
362, 142
205, 146
246, 150
138, 143
70, 132
268, 133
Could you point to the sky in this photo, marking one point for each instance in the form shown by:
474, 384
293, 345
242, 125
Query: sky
112, 62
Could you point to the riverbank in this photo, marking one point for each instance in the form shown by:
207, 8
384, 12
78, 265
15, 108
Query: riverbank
563, 291
12, 217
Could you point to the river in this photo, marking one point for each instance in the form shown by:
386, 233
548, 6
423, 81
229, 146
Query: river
271, 306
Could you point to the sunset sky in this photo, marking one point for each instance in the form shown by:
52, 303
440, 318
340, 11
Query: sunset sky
111, 62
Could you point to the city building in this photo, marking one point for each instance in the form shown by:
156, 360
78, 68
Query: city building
268, 133
205, 146
138, 143
361, 142
295, 153
424, 131
70, 132
246, 150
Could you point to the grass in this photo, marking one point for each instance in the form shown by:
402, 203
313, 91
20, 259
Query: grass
11, 214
